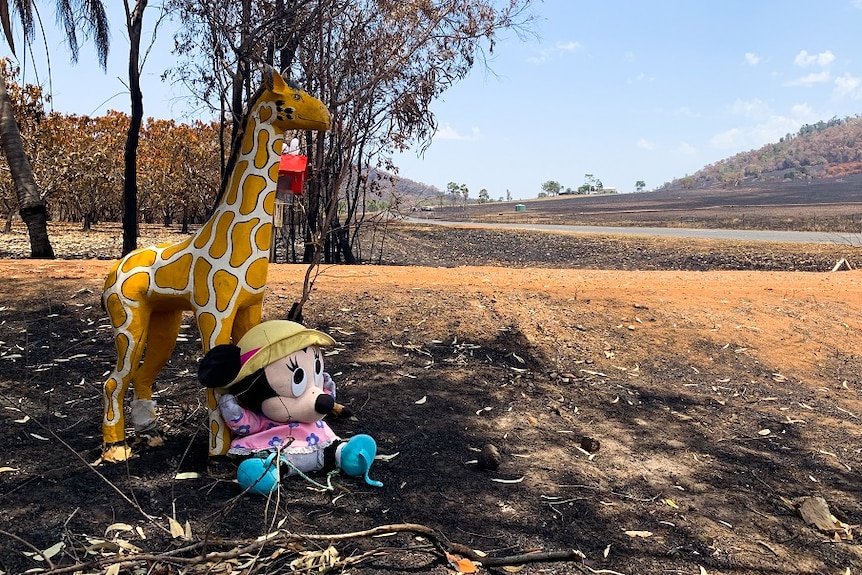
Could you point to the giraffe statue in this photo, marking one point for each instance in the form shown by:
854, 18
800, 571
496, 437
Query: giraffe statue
219, 273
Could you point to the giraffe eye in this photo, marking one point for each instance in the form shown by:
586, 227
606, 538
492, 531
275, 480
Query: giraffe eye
297, 97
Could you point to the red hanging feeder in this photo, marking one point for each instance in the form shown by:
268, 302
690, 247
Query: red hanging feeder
292, 173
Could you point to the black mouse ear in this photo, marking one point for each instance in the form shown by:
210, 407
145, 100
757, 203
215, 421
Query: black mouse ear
220, 366
252, 390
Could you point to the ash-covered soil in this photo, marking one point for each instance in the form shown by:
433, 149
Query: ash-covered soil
659, 406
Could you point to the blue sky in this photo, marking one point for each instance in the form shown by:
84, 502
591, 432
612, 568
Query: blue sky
623, 90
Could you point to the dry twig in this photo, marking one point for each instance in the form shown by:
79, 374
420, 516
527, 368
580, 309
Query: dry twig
190, 555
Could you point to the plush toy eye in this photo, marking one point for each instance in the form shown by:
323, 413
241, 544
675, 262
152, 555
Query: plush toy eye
298, 385
318, 362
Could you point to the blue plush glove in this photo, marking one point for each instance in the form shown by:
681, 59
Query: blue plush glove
257, 475
229, 408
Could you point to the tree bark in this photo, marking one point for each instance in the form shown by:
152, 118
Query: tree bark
31, 206
134, 23
341, 238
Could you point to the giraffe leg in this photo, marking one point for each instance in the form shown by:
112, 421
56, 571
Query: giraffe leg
130, 345
245, 319
215, 331
163, 331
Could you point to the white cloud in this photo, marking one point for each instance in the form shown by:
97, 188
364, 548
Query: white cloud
447, 132
645, 144
856, 4
752, 58
811, 79
749, 108
848, 86
567, 46
642, 77
685, 149
761, 126
729, 139
823, 59
803, 112
803, 59
559, 48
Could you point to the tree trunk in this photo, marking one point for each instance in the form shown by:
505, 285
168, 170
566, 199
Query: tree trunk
343, 250
31, 206
185, 229
134, 23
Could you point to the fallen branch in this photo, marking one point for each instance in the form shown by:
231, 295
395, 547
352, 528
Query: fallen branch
282, 539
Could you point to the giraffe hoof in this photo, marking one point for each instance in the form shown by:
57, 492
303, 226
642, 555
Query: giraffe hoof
116, 453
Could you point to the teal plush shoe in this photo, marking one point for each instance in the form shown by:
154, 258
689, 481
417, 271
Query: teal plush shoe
258, 476
357, 455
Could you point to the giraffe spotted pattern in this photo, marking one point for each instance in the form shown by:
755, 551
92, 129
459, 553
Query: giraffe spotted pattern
219, 273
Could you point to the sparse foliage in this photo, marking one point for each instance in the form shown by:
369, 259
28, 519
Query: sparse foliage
551, 188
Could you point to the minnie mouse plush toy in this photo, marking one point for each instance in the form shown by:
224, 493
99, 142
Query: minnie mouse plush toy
274, 395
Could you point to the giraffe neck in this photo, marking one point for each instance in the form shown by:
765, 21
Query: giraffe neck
251, 184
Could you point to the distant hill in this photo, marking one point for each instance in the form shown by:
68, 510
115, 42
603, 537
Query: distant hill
830, 149
822, 151
409, 193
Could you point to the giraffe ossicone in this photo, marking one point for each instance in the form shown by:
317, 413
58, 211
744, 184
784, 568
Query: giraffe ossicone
218, 273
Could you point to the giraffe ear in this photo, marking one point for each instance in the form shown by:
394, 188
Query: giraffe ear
220, 366
277, 81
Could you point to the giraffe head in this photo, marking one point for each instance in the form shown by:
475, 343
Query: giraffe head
295, 108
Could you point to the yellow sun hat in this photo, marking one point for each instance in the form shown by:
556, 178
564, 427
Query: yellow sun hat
272, 340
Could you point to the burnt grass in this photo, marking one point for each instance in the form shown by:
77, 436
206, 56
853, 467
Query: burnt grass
434, 376
832, 205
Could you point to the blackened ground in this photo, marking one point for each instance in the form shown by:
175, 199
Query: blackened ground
719, 400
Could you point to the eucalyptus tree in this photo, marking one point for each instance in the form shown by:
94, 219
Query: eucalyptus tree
71, 14
377, 65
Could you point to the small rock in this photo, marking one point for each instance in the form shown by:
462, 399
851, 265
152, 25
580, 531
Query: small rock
490, 457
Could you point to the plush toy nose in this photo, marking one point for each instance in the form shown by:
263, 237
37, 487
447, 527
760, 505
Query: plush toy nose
324, 403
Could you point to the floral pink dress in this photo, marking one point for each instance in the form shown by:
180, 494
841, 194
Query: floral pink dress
256, 433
